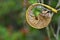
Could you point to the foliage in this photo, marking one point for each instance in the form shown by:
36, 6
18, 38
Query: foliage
12, 14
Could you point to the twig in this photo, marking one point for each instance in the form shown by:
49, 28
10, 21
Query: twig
57, 35
58, 4
40, 1
58, 9
53, 32
48, 32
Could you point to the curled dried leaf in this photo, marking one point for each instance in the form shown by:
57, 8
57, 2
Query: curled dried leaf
41, 21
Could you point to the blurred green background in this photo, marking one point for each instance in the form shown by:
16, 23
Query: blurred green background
13, 25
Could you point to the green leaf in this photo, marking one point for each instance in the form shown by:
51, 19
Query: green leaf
37, 11
32, 1
54, 3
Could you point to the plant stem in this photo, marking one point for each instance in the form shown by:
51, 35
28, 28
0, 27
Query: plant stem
57, 35
58, 4
52, 31
48, 32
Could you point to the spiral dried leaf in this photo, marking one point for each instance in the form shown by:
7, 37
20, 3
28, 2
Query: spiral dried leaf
38, 22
